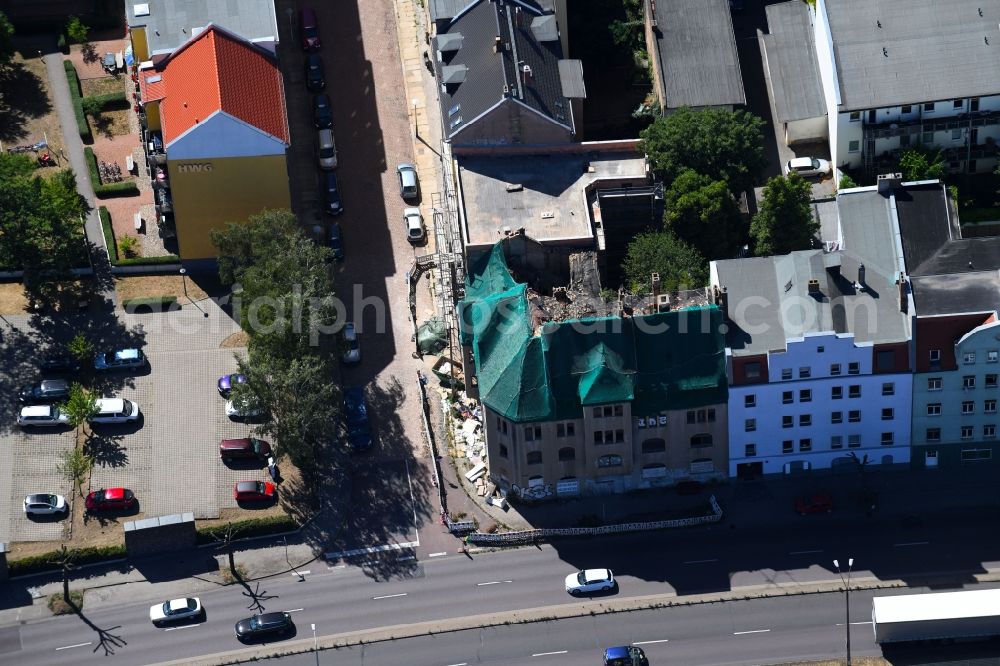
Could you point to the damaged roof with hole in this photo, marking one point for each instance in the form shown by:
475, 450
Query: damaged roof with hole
933, 50
493, 53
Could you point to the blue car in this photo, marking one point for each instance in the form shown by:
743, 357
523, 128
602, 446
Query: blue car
227, 382
359, 431
625, 655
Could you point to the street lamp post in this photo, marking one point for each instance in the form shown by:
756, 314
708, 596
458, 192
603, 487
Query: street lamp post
847, 601
184, 280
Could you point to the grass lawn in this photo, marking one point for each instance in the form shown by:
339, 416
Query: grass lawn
30, 116
157, 285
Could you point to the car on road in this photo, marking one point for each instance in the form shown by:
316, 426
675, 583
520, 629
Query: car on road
807, 166
254, 491
349, 345
245, 448
122, 359
309, 30
234, 412
315, 73
115, 410
42, 415
408, 187
359, 431
326, 151
175, 610
322, 111
625, 655
335, 241
228, 382
333, 203
47, 390
59, 363
414, 223
110, 499
816, 503
266, 624
590, 580
45, 504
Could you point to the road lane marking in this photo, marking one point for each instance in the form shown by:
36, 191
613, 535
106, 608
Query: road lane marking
407, 558
294, 610
494, 582
371, 550
462, 663
300, 573
438, 554
662, 640
840, 624
752, 631
546, 654
67, 647
186, 626
804, 552
911, 543
701, 561
390, 596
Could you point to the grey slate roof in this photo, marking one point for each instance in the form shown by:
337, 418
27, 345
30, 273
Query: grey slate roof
571, 78
790, 57
934, 50
170, 22
696, 48
442, 10
489, 72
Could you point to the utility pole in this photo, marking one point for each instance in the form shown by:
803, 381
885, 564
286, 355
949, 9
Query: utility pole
847, 601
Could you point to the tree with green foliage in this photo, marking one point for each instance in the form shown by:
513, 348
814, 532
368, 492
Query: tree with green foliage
76, 30
703, 212
74, 465
921, 164
6, 41
680, 265
785, 221
81, 348
92, 106
846, 182
81, 405
727, 144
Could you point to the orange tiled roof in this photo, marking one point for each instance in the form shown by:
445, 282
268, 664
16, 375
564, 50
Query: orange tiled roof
151, 90
216, 71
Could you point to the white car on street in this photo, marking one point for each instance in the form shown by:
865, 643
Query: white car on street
115, 410
42, 415
175, 610
590, 580
44, 504
234, 412
807, 166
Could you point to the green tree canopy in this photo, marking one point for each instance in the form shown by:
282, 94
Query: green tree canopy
6, 40
80, 406
679, 264
727, 144
76, 30
785, 220
703, 212
920, 164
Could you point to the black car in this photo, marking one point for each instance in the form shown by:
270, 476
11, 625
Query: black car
332, 203
47, 390
315, 78
322, 113
266, 624
59, 363
335, 241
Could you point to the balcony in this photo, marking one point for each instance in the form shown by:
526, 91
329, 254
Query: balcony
921, 125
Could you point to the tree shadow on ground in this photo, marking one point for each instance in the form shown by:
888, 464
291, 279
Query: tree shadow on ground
24, 98
89, 53
106, 449
106, 640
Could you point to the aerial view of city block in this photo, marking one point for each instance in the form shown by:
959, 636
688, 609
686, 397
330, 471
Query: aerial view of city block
500, 332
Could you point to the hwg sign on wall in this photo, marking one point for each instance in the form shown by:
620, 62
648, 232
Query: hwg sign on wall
195, 168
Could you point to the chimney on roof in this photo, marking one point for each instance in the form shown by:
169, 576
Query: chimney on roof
861, 274
721, 298
813, 286
901, 285
497, 44
526, 70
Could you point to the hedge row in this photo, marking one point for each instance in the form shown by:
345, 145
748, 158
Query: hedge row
109, 240
148, 261
51, 561
111, 100
251, 527
151, 302
126, 188
76, 95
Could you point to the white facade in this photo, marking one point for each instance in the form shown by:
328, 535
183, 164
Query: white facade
821, 403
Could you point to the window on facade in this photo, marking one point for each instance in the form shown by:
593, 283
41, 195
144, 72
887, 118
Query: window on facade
692, 416
904, 140
991, 356
934, 409
567, 454
598, 437
609, 436
975, 455
787, 446
805, 395
597, 412
805, 420
989, 431
701, 440
609, 461
834, 369
854, 368
750, 425
531, 433
935, 355
786, 373
991, 381
534, 457
854, 391
619, 436
503, 426
608, 411
619, 410
887, 414
990, 406
836, 392
956, 135
957, 104
854, 415
927, 137
969, 357
853, 441
711, 415
933, 383
933, 435
836, 417
805, 444
853, 146
836, 442
560, 430
906, 109
787, 397
888, 388
750, 400
820, 349
787, 422
969, 381
750, 450
966, 432
968, 407
805, 372
887, 439
503, 451
855, 116
752, 370
929, 106
655, 445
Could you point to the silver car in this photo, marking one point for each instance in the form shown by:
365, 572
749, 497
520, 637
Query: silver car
45, 504
414, 222
42, 415
351, 350
407, 181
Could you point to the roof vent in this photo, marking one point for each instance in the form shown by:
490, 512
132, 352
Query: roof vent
497, 44
547, 215
514, 187
813, 286
141, 10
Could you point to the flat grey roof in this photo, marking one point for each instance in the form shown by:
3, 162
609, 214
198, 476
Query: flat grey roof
571, 79
697, 53
170, 22
551, 203
792, 65
956, 294
934, 50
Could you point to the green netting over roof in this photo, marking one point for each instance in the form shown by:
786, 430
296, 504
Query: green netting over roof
670, 360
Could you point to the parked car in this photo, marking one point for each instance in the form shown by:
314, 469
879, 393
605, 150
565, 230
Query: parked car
244, 448
45, 504
315, 73
625, 655
123, 359
110, 499
175, 610
47, 390
115, 410
818, 503
253, 491
414, 223
359, 432
350, 346
327, 149
59, 363
335, 241
234, 412
590, 580
408, 188
332, 202
309, 30
42, 415
227, 382
322, 111
267, 624
807, 166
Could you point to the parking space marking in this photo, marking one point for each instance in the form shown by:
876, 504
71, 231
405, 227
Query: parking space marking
437, 554
546, 654
187, 626
662, 640
494, 582
752, 631
299, 573
294, 610
390, 596
67, 647
371, 550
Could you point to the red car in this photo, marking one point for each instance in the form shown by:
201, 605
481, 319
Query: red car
110, 499
818, 503
254, 491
